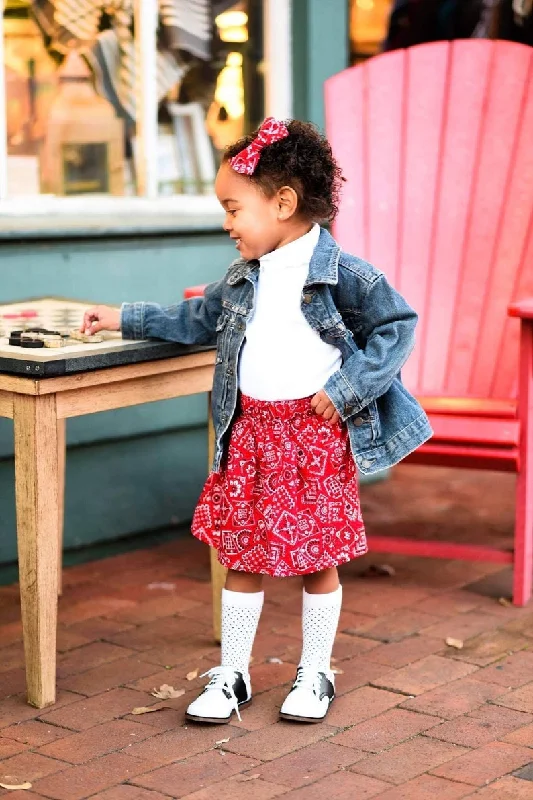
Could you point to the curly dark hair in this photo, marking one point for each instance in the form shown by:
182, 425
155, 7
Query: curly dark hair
304, 161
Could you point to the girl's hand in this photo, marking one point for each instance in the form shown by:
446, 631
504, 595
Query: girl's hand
322, 405
100, 318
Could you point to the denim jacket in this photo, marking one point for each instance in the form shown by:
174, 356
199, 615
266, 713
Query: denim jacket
350, 305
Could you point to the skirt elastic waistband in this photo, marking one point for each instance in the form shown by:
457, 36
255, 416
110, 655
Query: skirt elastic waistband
279, 409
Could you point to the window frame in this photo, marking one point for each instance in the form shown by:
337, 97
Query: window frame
147, 203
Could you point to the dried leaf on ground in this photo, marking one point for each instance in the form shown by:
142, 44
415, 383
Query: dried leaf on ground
274, 661
166, 692
222, 741
504, 601
379, 570
14, 786
166, 587
457, 643
250, 777
192, 675
148, 709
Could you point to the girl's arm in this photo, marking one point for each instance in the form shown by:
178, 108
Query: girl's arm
189, 322
388, 325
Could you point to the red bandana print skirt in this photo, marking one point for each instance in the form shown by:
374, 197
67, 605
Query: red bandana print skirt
286, 499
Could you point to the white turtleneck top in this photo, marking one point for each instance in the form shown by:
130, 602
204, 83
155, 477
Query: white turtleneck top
282, 357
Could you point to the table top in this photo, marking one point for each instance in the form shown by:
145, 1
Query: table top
64, 315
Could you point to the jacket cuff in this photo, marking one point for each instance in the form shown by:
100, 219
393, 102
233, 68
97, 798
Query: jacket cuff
342, 395
131, 320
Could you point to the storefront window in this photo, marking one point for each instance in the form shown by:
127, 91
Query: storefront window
368, 27
74, 104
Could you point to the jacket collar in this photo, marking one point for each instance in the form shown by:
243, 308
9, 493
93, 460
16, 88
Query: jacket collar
323, 267
324, 264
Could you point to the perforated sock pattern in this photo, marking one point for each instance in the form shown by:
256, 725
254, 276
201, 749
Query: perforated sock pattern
239, 624
319, 626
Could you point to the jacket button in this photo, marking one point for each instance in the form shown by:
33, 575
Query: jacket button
223, 417
348, 409
366, 464
229, 371
358, 421
307, 298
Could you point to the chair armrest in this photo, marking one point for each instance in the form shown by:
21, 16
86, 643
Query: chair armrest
522, 308
194, 291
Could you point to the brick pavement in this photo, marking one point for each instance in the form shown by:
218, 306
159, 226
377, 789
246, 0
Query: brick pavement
414, 719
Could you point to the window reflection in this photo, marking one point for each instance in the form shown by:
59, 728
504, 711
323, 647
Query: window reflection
209, 83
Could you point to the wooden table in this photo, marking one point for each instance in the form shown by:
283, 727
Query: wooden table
39, 408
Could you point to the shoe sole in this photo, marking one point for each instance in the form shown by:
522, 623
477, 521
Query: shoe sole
216, 720
292, 718
309, 720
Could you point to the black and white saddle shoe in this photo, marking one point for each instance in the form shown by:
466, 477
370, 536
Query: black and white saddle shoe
224, 694
310, 697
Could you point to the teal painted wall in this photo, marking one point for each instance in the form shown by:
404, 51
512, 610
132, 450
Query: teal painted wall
135, 469
320, 35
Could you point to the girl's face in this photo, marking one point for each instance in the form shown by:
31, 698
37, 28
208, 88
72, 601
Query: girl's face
258, 224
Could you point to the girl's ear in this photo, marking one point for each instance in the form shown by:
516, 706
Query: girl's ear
287, 202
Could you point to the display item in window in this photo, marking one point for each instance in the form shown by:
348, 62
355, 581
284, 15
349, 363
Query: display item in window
513, 20
417, 21
83, 149
103, 32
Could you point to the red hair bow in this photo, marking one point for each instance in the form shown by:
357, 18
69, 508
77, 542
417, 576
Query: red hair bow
272, 130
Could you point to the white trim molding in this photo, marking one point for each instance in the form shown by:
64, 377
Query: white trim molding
146, 15
103, 214
3, 112
277, 19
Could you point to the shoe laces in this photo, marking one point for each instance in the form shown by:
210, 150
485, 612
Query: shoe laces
223, 678
307, 678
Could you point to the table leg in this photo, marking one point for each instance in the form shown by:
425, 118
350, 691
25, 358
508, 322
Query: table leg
37, 490
61, 465
218, 572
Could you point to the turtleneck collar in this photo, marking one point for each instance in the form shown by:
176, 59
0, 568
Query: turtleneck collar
294, 253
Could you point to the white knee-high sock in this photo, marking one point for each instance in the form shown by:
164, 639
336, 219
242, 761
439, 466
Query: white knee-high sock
240, 616
320, 617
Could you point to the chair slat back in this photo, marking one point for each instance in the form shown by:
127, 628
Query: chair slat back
436, 143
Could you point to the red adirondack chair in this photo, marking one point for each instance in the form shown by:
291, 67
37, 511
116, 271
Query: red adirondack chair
436, 143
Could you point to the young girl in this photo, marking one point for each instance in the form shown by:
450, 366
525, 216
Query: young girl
310, 342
